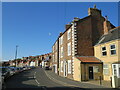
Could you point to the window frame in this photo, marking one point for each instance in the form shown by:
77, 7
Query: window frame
69, 63
61, 52
102, 51
113, 49
107, 69
69, 49
69, 34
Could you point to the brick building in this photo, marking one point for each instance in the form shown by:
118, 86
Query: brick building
79, 39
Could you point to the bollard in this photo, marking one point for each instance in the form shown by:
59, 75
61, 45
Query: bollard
100, 80
111, 81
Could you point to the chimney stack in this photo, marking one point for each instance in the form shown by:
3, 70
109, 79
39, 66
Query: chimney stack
107, 25
94, 11
67, 26
60, 33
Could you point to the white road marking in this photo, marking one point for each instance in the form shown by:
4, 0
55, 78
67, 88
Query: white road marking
36, 79
59, 82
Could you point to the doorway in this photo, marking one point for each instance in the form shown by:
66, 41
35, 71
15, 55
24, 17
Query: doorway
65, 69
90, 72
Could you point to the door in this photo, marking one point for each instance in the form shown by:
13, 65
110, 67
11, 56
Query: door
65, 69
90, 72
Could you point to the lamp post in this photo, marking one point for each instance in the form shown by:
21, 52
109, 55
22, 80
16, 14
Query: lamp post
16, 55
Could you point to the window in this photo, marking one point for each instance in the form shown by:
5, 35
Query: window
104, 51
56, 46
112, 49
96, 69
56, 56
115, 70
69, 49
105, 69
61, 66
68, 34
69, 66
53, 58
61, 52
61, 40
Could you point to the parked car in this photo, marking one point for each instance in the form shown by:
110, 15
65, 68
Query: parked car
24, 68
1, 79
12, 70
32, 67
47, 68
5, 72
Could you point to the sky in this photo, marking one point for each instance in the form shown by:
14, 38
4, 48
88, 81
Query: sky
35, 26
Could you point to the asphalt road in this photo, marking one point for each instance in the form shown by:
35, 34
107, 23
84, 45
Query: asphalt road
34, 78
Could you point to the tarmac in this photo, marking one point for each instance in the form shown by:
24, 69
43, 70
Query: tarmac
84, 84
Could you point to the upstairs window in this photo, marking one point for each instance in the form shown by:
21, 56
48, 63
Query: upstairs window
61, 40
69, 49
112, 49
61, 52
104, 51
68, 34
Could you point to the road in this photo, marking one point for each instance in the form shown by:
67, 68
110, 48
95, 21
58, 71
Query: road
34, 78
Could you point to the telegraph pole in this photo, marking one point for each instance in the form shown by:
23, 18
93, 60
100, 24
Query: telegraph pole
16, 55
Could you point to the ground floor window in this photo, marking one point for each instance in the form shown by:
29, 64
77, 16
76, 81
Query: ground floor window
96, 69
61, 66
69, 66
114, 70
105, 69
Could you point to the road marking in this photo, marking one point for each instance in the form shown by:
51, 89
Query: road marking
59, 82
36, 79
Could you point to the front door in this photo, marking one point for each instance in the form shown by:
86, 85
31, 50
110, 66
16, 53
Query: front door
90, 72
65, 69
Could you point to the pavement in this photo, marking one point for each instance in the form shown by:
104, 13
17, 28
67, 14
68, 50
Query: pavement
69, 82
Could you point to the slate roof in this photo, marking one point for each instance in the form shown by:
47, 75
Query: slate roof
113, 34
89, 59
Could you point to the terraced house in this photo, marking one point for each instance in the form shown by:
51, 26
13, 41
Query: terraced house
76, 47
55, 56
108, 51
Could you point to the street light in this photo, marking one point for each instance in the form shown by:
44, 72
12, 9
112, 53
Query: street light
16, 55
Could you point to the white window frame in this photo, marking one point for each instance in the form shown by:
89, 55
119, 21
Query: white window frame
61, 53
104, 50
96, 69
115, 70
69, 67
69, 49
106, 68
69, 34
61, 66
112, 49
55, 56
53, 48
61, 40
56, 46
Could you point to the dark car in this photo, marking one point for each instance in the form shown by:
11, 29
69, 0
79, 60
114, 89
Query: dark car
5, 72
47, 68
